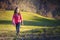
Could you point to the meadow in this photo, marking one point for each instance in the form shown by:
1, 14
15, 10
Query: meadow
35, 26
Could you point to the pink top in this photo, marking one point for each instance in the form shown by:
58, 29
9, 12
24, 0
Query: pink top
16, 18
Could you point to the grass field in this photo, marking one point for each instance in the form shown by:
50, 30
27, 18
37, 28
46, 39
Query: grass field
34, 24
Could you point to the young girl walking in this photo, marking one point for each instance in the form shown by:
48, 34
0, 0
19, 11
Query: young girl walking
17, 19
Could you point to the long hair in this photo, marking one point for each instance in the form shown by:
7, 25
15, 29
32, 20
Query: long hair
15, 11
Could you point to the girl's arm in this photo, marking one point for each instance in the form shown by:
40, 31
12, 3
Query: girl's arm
21, 19
13, 20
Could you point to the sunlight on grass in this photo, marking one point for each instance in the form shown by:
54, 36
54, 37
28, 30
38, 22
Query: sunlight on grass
7, 15
7, 27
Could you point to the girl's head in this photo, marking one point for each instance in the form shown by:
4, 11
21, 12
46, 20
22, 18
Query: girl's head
16, 10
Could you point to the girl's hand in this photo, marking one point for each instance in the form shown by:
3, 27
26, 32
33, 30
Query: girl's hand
22, 23
14, 24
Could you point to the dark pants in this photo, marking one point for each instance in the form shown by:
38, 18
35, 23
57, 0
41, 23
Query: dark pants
17, 28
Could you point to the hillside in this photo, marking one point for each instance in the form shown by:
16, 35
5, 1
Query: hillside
29, 19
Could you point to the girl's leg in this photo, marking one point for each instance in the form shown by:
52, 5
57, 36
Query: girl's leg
17, 28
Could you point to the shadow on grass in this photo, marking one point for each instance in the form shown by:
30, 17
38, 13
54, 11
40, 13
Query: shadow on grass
5, 22
41, 23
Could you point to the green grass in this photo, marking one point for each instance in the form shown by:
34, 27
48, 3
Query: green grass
33, 23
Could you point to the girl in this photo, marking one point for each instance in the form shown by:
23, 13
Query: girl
17, 19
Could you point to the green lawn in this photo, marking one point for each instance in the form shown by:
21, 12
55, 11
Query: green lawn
33, 23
